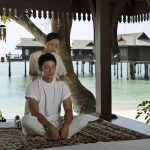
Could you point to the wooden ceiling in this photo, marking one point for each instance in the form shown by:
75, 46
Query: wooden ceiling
134, 11
78, 9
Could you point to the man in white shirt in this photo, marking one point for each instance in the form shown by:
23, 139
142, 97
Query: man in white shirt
52, 43
44, 96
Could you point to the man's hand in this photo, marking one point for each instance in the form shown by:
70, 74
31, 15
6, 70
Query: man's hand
64, 132
54, 134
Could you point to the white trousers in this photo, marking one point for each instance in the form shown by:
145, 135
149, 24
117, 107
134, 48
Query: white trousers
32, 127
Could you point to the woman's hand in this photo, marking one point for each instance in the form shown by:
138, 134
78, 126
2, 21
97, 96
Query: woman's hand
60, 78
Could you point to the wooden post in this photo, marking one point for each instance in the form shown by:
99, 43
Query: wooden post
138, 71
9, 68
82, 67
121, 69
89, 66
146, 71
103, 59
92, 67
117, 71
114, 69
132, 70
77, 64
25, 69
127, 71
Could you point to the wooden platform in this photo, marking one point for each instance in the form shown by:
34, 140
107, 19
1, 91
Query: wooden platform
9, 134
132, 124
121, 121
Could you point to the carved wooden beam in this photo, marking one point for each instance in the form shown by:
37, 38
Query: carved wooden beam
117, 9
79, 9
92, 7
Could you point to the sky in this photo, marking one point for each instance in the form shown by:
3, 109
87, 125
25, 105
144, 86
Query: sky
81, 30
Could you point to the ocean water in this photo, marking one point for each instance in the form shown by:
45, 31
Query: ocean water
126, 94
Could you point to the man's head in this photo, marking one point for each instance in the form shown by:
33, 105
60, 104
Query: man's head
47, 64
52, 42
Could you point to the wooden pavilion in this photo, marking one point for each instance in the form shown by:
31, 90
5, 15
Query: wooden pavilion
105, 14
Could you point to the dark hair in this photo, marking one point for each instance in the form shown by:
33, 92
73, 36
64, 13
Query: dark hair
17, 117
46, 57
52, 36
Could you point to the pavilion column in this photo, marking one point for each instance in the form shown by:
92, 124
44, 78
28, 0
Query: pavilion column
103, 59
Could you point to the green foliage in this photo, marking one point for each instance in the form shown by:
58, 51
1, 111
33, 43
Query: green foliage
144, 109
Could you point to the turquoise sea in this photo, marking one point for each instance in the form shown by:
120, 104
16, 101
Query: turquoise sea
126, 94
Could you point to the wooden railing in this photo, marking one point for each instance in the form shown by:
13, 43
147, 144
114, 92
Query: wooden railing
14, 57
84, 58
89, 58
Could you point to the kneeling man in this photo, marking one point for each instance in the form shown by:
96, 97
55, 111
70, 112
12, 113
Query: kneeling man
44, 96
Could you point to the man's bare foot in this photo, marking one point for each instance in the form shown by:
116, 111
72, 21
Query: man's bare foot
40, 138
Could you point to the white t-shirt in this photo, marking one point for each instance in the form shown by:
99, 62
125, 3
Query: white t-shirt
34, 68
49, 96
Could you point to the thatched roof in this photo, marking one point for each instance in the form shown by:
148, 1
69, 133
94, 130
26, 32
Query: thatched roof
130, 39
138, 39
82, 44
134, 39
29, 42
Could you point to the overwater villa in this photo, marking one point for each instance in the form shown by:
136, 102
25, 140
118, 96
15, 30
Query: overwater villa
105, 130
134, 49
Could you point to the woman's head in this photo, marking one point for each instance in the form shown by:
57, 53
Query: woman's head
52, 42
52, 36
